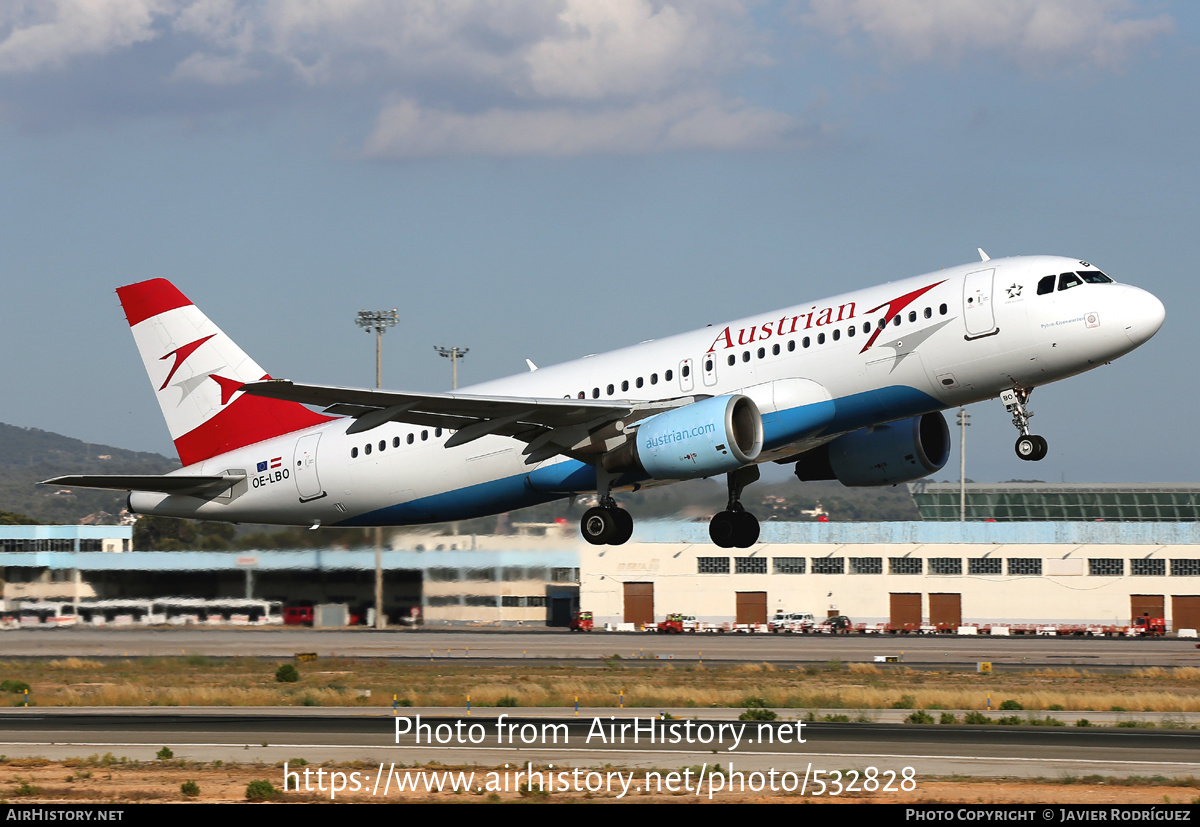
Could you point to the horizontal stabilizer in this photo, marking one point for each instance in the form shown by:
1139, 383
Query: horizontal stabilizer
164, 484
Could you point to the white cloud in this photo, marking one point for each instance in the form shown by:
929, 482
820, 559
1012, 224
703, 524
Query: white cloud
1032, 33
686, 122
496, 77
40, 34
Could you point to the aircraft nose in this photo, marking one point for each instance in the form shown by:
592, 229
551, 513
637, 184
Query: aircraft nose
1143, 312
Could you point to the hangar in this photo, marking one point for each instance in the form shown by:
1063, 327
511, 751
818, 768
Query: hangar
922, 573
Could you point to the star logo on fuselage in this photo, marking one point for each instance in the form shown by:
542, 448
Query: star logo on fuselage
1014, 291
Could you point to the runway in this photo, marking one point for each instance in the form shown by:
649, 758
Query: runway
514, 645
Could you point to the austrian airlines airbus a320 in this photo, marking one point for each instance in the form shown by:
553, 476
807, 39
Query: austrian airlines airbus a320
848, 388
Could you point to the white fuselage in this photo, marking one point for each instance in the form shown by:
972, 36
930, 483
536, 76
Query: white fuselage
954, 337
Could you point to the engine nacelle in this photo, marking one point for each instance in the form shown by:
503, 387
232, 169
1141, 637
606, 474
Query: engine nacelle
884, 455
713, 436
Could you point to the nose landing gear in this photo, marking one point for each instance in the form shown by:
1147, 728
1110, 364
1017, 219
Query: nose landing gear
1029, 446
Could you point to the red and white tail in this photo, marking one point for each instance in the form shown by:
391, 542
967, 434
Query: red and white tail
197, 372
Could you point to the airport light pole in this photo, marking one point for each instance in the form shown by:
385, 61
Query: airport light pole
964, 419
378, 321
453, 354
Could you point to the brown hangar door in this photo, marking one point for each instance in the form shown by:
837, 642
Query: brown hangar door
751, 607
905, 610
945, 610
639, 603
1185, 612
1146, 605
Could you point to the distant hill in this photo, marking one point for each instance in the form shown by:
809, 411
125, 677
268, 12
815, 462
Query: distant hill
29, 455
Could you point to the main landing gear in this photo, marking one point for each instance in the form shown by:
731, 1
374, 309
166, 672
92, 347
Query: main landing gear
735, 527
606, 524
1029, 446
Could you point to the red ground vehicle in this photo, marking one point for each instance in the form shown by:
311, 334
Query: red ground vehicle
298, 615
1151, 626
582, 622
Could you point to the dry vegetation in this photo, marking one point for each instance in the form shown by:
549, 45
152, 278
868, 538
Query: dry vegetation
204, 681
104, 779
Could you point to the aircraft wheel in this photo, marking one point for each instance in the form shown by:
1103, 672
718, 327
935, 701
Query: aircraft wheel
1042, 448
747, 529
624, 529
723, 529
598, 526
1026, 447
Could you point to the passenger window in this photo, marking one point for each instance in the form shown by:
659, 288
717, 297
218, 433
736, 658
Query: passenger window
438, 433
807, 341
912, 315
424, 435
639, 382
837, 334
850, 330
708, 364
791, 345
654, 379
582, 395
1068, 280
942, 309
686, 371
595, 393
820, 338
609, 390
762, 352
775, 350
928, 312
395, 442
866, 327
896, 320
410, 438
667, 376
732, 360
367, 449
745, 356
382, 444
353, 453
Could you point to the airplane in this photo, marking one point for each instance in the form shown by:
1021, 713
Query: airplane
848, 388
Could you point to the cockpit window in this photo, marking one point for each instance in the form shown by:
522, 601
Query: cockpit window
1094, 277
1067, 280
1046, 285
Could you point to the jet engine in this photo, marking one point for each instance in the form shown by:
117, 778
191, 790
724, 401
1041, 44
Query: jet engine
713, 436
901, 451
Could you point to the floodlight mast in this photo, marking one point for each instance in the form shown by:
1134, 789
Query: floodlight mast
453, 354
378, 321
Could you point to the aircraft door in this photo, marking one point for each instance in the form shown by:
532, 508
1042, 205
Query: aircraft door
305, 465
977, 304
686, 380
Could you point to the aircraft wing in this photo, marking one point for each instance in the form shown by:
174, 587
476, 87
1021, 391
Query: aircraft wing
573, 427
166, 484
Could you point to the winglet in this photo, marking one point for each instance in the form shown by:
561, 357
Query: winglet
532, 366
982, 255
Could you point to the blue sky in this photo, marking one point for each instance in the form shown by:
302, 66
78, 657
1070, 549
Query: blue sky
549, 178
